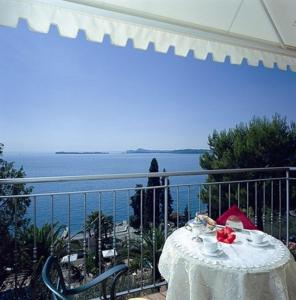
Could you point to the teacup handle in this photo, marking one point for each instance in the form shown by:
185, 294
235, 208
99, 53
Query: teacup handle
188, 227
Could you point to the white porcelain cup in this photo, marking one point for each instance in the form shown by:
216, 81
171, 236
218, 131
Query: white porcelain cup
210, 244
257, 236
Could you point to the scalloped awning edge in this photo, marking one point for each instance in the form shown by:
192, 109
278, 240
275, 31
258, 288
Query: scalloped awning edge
70, 18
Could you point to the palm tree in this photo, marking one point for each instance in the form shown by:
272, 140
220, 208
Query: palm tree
47, 239
97, 221
151, 250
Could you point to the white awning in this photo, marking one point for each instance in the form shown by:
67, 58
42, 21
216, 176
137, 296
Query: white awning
257, 30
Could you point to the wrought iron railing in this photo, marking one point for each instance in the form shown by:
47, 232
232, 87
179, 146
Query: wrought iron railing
265, 194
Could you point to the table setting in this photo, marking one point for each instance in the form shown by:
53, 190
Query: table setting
204, 260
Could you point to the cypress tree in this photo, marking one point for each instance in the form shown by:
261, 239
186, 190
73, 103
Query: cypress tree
149, 197
161, 201
135, 219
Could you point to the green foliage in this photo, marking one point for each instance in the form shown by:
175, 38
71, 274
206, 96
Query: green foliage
98, 223
47, 239
135, 219
12, 213
261, 143
150, 197
161, 201
152, 244
91, 264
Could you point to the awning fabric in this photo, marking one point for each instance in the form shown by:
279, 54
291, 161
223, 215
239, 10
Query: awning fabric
255, 30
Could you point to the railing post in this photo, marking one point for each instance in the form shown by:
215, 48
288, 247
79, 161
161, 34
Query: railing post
287, 206
166, 207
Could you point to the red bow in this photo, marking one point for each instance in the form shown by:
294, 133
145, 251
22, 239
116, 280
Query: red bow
226, 235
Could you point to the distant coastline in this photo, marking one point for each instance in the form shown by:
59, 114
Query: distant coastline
180, 151
74, 152
141, 151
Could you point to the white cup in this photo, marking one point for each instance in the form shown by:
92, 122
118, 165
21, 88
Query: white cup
257, 236
210, 244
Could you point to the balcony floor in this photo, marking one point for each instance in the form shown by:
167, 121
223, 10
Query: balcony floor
157, 296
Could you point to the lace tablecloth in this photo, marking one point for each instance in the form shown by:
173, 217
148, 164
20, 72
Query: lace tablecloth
242, 271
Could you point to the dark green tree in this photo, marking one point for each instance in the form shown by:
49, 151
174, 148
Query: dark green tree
12, 215
48, 239
151, 245
260, 143
162, 197
152, 201
135, 219
152, 194
95, 222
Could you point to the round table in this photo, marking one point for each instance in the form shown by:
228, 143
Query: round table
242, 271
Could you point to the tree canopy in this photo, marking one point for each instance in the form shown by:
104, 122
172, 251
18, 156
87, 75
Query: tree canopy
12, 213
262, 142
98, 223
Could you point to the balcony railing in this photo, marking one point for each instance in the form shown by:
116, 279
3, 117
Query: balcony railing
130, 224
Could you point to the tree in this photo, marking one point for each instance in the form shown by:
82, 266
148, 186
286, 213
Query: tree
152, 200
151, 195
12, 214
146, 198
135, 219
162, 197
151, 245
96, 221
47, 239
261, 143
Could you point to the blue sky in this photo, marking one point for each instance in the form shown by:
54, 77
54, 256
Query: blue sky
71, 94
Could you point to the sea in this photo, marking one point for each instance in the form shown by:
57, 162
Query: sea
115, 204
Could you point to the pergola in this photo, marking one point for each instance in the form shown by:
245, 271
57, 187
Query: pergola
255, 30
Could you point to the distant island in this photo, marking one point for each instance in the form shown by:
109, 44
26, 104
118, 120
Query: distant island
74, 152
181, 151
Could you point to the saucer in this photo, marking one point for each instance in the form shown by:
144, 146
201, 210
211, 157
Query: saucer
217, 253
262, 244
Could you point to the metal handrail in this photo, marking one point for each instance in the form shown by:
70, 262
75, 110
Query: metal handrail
139, 175
93, 191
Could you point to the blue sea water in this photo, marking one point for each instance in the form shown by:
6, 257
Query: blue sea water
36, 165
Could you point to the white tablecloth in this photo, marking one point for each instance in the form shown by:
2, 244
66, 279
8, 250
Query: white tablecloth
241, 272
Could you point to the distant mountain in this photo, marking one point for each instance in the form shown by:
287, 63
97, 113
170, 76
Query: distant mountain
180, 151
74, 152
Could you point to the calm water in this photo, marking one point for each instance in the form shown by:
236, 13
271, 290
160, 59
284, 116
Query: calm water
59, 165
